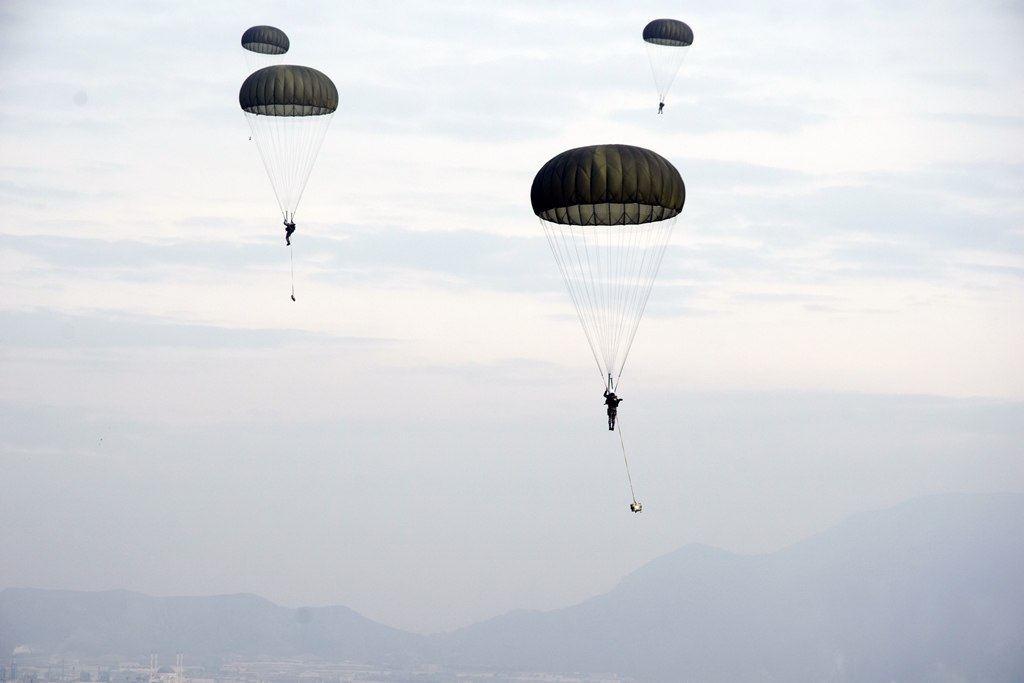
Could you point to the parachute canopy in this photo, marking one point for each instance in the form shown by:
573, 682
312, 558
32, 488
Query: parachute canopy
288, 109
608, 213
265, 40
607, 185
286, 90
668, 32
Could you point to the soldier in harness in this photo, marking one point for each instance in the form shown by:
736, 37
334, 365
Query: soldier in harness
612, 401
289, 228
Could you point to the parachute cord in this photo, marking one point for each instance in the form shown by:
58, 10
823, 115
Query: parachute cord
625, 459
291, 260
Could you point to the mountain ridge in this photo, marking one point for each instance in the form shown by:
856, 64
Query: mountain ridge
924, 589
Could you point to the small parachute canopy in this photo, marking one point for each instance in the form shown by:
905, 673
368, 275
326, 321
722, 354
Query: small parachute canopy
265, 40
669, 32
287, 90
607, 185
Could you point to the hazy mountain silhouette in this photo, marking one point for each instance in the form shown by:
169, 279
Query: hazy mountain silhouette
132, 624
928, 590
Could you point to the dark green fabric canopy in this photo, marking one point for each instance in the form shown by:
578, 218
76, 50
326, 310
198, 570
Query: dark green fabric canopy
670, 32
266, 40
607, 185
287, 90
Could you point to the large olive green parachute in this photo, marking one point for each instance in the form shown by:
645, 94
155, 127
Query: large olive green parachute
608, 212
263, 45
607, 185
289, 109
288, 90
668, 41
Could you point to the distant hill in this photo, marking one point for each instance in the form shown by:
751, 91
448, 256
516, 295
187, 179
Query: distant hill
928, 590
132, 624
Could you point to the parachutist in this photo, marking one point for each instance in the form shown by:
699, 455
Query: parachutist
612, 401
661, 107
636, 506
293, 297
668, 41
289, 228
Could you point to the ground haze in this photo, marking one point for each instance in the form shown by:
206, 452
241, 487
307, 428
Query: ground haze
929, 590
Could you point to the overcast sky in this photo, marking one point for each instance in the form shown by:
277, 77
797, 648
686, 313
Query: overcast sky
838, 325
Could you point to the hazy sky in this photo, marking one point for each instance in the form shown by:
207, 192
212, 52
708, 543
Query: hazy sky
838, 325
